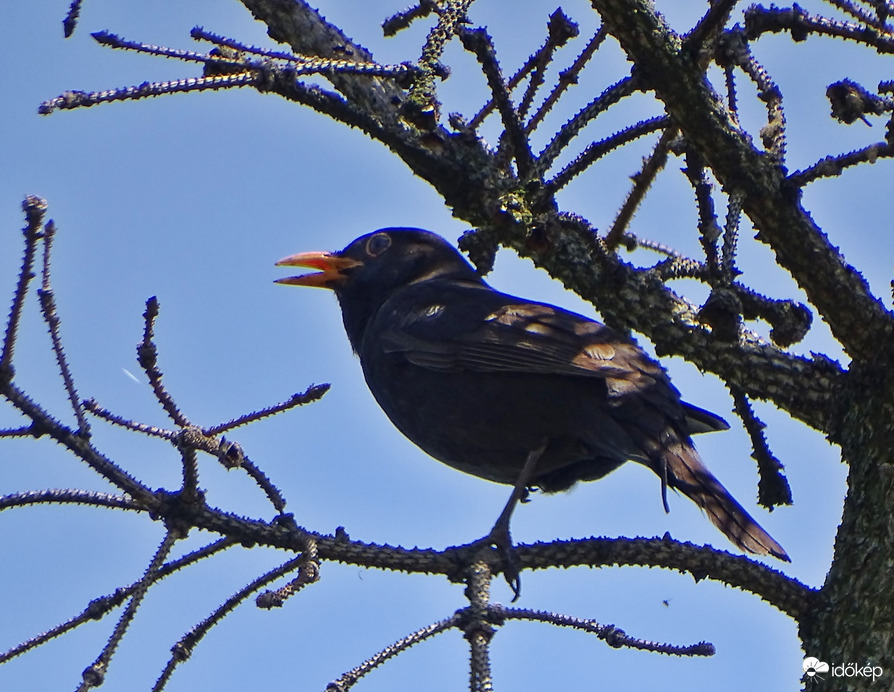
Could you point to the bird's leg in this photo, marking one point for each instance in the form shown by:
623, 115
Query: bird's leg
499, 536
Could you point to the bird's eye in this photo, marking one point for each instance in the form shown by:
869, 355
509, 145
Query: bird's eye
377, 244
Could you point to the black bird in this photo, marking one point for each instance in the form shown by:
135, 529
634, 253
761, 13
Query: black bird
510, 390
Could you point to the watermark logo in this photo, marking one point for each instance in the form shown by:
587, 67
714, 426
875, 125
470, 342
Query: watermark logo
817, 671
813, 667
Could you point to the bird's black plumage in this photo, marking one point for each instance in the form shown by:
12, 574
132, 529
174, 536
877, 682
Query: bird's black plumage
480, 379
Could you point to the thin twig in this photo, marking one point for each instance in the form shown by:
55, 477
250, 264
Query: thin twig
264, 483
402, 20
596, 150
82, 99
581, 119
479, 42
859, 14
35, 208
773, 488
47, 300
642, 182
71, 19
183, 649
105, 38
567, 78
560, 30
732, 102
68, 496
311, 394
347, 680
611, 635
760, 20
835, 165
302, 64
308, 573
231, 455
94, 674
147, 356
773, 133
93, 407
422, 106
710, 25
708, 230
22, 431
99, 607
632, 242
44, 423
731, 236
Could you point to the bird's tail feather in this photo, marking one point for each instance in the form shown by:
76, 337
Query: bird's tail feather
684, 470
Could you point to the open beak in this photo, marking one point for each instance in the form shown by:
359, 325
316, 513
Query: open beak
330, 268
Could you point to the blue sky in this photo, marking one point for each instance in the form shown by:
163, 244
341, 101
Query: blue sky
192, 199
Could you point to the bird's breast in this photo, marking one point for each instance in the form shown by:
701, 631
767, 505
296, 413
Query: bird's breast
485, 424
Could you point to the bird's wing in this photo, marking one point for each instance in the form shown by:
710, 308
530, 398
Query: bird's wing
478, 329
518, 337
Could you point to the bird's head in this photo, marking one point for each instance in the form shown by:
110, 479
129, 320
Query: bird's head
379, 262
372, 267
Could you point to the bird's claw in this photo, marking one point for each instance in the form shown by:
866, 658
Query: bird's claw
500, 539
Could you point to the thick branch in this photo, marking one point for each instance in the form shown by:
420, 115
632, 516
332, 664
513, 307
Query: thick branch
836, 289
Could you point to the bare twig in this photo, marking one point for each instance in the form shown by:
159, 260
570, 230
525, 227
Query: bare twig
93, 407
311, 394
632, 242
402, 20
105, 38
731, 237
347, 680
708, 231
710, 24
62, 496
561, 29
572, 128
94, 674
760, 20
478, 42
773, 488
81, 99
772, 134
596, 150
859, 14
830, 166
183, 649
22, 431
147, 356
422, 106
611, 635
35, 208
71, 19
308, 573
48, 307
99, 607
642, 182
566, 79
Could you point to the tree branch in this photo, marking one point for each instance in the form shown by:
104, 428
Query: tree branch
773, 206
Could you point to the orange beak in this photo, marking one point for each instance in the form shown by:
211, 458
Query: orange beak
330, 268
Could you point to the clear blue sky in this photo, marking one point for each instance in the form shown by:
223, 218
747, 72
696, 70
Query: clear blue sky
193, 198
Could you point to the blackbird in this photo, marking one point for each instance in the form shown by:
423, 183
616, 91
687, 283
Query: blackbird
511, 390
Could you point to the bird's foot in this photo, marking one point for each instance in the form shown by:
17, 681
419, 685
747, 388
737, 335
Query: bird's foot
500, 539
